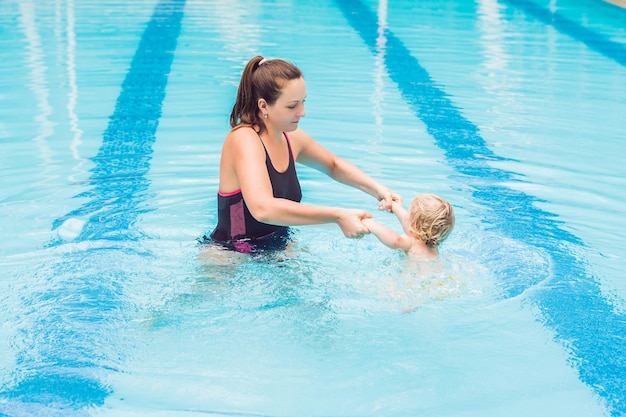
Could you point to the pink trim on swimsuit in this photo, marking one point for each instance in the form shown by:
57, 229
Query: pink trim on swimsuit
237, 219
229, 193
290, 147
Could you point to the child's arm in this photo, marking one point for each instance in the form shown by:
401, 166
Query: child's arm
402, 215
388, 236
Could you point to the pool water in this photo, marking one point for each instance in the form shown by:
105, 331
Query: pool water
112, 116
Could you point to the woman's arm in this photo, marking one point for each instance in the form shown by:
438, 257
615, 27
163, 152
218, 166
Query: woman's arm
244, 152
312, 154
388, 236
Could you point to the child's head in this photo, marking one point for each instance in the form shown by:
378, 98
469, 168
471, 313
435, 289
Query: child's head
432, 218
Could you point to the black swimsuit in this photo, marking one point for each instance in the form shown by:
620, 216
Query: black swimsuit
235, 223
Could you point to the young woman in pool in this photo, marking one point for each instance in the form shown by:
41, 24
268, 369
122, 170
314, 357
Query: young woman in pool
259, 193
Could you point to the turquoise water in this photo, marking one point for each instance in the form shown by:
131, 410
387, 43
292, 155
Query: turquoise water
111, 121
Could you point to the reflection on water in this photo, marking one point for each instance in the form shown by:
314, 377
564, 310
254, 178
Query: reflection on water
38, 76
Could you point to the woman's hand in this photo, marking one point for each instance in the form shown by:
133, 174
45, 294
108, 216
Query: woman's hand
396, 204
350, 222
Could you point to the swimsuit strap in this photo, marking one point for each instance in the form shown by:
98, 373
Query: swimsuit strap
267, 155
259, 135
292, 157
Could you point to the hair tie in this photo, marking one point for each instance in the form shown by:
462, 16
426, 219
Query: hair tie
432, 241
263, 61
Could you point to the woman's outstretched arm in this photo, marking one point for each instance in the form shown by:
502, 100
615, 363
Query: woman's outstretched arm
312, 154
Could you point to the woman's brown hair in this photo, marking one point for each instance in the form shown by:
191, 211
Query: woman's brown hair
261, 78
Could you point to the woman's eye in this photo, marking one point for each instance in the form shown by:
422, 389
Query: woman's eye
293, 106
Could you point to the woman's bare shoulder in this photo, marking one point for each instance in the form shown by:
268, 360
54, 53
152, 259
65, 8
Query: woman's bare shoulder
244, 131
240, 137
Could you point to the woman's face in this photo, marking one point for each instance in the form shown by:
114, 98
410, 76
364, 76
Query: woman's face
286, 112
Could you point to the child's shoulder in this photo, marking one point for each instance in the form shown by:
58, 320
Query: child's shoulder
419, 251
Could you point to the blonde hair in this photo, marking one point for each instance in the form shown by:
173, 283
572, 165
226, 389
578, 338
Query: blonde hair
432, 218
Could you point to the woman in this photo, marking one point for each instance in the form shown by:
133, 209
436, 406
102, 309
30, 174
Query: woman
259, 194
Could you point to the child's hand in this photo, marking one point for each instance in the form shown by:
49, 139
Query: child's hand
386, 200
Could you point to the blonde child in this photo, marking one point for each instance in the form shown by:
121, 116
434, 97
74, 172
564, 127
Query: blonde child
427, 224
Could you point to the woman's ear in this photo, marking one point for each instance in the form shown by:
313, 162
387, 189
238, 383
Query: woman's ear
262, 105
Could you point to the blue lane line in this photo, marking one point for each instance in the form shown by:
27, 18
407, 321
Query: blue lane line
610, 49
572, 304
118, 178
64, 346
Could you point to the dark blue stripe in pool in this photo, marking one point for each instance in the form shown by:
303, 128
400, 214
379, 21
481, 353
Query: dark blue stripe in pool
119, 184
572, 304
76, 316
599, 43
